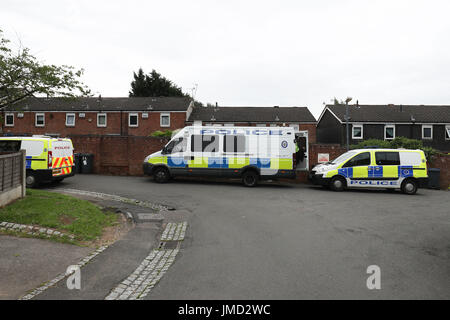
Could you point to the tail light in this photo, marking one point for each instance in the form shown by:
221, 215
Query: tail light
50, 159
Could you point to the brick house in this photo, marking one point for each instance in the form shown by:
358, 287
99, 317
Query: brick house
429, 123
95, 116
298, 117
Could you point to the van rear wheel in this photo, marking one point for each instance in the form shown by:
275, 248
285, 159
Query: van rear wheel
409, 186
250, 179
161, 175
31, 180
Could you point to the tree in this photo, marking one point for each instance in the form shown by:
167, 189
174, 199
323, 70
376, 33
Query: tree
153, 85
23, 76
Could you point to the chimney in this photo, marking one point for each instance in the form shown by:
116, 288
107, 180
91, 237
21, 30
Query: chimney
390, 105
276, 106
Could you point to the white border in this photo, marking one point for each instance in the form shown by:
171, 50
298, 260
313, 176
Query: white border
74, 119
137, 120
389, 126
161, 115
427, 126
35, 119
362, 131
106, 120
6, 117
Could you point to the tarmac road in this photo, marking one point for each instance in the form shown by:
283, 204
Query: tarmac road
286, 241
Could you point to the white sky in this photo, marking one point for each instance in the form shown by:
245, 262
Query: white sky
248, 53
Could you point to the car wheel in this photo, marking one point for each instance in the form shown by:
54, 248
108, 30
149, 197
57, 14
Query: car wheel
409, 186
59, 180
337, 184
250, 179
161, 175
31, 180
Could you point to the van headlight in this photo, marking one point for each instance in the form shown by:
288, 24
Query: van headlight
147, 158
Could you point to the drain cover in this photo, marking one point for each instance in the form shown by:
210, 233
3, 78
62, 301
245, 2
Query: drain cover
168, 244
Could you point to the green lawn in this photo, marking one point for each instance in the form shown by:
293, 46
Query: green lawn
65, 213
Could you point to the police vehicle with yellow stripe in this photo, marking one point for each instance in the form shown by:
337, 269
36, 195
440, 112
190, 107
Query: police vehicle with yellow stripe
249, 153
374, 168
47, 159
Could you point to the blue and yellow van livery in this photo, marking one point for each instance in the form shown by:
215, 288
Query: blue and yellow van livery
374, 168
47, 159
250, 153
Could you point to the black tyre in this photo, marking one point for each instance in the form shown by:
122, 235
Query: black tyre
250, 178
161, 175
59, 180
409, 186
337, 184
31, 180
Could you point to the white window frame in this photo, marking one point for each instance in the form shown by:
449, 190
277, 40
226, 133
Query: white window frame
359, 125
106, 120
389, 126
424, 126
160, 120
137, 120
74, 119
447, 129
36, 117
6, 117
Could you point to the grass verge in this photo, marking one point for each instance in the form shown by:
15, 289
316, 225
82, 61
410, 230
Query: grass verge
81, 218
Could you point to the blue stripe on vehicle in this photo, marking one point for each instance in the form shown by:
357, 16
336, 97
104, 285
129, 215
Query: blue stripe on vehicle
176, 162
217, 162
260, 162
28, 163
346, 172
405, 171
375, 171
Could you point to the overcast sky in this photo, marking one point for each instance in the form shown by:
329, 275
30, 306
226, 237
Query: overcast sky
248, 53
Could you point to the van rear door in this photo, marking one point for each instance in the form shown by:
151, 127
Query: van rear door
62, 154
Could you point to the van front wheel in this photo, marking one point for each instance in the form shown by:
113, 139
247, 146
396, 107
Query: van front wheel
337, 184
161, 175
250, 179
409, 186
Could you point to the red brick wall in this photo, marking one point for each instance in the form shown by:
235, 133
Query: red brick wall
442, 162
118, 155
334, 150
55, 122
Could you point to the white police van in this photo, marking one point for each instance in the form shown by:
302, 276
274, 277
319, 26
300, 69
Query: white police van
249, 153
374, 168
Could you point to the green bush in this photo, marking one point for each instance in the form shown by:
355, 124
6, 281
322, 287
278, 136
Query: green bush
161, 134
398, 142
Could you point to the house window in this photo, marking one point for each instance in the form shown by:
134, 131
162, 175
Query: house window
427, 132
447, 132
70, 119
9, 120
357, 131
164, 120
229, 125
101, 120
133, 119
389, 132
39, 120
261, 125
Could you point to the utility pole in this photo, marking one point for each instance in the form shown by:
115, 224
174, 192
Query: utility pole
347, 116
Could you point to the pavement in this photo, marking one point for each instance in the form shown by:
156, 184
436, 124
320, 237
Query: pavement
290, 241
25, 263
275, 241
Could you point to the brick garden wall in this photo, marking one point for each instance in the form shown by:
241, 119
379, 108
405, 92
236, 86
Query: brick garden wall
118, 155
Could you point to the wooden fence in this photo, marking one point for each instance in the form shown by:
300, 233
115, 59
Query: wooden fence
12, 176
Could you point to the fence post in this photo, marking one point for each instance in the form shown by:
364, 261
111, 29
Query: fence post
24, 173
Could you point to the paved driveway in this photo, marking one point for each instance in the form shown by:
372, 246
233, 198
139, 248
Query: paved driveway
284, 241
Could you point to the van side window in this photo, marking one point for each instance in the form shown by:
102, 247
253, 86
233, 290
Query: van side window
9, 146
204, 143
177, 145
362, 159
234, 143
387, 158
